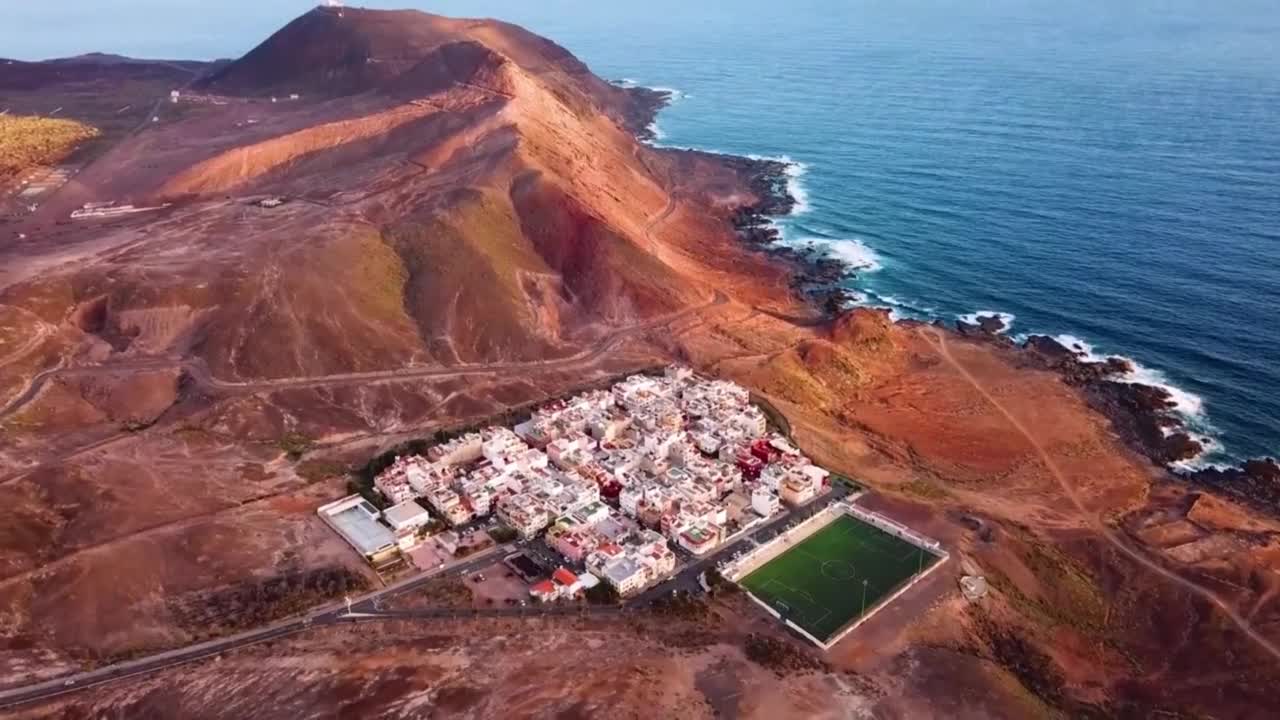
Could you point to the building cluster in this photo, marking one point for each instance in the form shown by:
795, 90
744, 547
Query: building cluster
563, 584
615, 478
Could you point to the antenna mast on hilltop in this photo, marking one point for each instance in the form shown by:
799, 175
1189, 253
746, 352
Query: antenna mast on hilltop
337, 4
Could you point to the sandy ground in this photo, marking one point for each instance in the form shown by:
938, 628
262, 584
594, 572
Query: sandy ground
499, 587
160, 367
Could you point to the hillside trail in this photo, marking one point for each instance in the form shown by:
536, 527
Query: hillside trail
939, 341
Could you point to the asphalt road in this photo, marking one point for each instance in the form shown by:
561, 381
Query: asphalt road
328, 615
367, 608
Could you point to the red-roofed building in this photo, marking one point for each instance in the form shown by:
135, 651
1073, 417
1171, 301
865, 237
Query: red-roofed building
750, 465
763, 450
562, 576
545, 591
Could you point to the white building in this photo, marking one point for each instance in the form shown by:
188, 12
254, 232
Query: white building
764, 502
406, 516
626, 576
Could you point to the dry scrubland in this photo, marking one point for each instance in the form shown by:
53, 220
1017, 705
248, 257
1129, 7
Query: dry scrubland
163, 486
27, 142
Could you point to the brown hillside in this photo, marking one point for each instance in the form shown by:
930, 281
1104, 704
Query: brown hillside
459, 192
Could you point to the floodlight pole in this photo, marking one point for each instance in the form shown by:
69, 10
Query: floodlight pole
864, 597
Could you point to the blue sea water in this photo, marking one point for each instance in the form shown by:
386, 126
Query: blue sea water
1104, 170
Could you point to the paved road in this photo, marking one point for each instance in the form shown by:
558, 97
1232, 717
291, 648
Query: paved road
686, 578
327, 615
367, 608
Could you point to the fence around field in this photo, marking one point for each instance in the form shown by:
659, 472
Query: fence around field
895, 529
762, 554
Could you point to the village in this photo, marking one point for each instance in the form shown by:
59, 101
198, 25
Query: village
619, 487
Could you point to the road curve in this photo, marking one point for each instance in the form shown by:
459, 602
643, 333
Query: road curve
328, 615
198, 371
367, 608
939, 340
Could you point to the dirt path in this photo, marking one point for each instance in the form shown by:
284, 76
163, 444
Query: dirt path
939, 341
199, 373
42, 331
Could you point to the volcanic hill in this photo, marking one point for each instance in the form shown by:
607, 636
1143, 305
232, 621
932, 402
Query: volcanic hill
457, 192
377, 226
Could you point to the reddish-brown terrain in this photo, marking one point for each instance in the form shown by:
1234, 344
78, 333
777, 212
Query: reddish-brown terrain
471, 224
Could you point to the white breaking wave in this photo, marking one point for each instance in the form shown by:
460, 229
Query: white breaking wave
898, 309
1187, 404
851, 252
973, 318
1212, 448
657, 132
676, 95
1079, 347
795, 172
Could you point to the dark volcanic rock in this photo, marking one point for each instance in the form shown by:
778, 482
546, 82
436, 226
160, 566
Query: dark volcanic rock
646, 103
987, 324
1143, 415
1072, 364
1257, 481
988, 327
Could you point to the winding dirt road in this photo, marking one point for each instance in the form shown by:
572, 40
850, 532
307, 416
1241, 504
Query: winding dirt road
198, 371
939, 340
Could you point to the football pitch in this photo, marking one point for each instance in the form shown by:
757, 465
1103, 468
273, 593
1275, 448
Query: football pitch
834, 575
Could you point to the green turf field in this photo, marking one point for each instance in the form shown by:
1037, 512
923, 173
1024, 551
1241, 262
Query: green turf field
818, 583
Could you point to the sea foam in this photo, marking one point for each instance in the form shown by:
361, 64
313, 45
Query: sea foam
675, 95
796, 170
973, 318
1189, 407
899, 309
1187, 404
850, 251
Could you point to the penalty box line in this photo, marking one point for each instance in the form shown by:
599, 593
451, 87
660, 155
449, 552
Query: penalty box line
791, 592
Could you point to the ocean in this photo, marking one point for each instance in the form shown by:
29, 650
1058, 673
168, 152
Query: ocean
1106, 172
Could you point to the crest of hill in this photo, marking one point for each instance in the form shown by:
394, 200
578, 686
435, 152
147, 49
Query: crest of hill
335, 52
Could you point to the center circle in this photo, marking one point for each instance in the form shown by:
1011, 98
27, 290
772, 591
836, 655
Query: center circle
838, 570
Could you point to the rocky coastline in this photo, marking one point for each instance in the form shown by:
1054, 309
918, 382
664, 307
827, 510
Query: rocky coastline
816, 278
1144, 416
642, 111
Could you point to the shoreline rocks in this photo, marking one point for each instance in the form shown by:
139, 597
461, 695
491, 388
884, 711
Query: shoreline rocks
646, 103
1144, 416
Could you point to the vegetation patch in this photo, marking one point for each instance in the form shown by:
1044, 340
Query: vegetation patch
780, 656
251, 604
28, 141
682, 606
921, 488
319, 470
295, 445
503, 534
1074, 599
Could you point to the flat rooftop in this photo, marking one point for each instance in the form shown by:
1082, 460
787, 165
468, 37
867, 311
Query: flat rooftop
405, 512
362, 529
